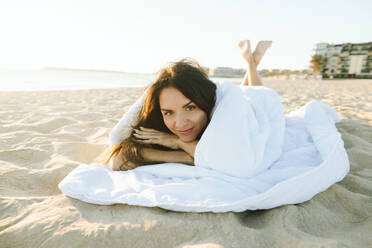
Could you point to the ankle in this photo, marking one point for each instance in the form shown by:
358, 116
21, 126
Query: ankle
251, 61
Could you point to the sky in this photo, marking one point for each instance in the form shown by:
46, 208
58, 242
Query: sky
142, 36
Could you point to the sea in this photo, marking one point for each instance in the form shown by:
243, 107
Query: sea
72, 79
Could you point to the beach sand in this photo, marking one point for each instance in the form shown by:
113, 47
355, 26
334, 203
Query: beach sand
44, 135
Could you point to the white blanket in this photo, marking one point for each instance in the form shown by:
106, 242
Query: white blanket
250, 156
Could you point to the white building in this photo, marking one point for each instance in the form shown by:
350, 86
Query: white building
346, 60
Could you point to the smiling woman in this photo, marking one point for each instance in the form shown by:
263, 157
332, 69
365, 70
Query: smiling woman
176, 110
175, 113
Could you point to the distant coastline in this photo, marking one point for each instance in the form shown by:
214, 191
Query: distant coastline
217, 72
91, 70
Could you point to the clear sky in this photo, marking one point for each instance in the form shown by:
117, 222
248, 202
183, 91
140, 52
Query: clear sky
141, 36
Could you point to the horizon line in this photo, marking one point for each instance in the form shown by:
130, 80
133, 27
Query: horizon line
46, 68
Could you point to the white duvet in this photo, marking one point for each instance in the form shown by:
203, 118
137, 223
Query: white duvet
251, 156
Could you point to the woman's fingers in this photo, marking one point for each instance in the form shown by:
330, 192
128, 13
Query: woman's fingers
149, 130
142, 135
152, 136
146, 132
146, 136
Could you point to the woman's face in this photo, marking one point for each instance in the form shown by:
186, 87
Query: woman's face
182, 116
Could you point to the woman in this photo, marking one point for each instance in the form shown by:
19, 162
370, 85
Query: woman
177, 109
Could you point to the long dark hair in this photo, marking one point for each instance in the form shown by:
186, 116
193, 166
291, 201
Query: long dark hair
192, 81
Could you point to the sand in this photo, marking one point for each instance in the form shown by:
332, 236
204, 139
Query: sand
45, 135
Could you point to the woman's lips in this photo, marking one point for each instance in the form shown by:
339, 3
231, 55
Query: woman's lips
185, 132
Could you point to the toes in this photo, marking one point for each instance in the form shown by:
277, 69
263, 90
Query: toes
244, 45
260, 50
241, 44
262, 46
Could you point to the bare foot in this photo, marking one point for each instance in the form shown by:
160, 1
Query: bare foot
245, 47
260, 50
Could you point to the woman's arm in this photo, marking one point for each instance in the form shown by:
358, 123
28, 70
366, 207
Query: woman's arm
160, 156
152, 155
152, 136
189, 147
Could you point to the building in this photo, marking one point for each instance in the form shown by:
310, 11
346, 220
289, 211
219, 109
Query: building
347, 60
226, 72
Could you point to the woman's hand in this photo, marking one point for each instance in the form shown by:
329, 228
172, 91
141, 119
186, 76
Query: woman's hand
152, 136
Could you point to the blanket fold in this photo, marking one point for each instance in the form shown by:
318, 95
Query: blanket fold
246, 131
251, 156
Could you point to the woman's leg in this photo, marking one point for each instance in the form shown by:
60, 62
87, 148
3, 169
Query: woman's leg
251, 77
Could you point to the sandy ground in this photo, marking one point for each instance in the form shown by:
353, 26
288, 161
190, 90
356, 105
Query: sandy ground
45, 135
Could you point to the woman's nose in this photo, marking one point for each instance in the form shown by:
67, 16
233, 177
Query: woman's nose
180, 122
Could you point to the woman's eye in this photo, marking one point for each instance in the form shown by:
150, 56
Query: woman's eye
167, 113
190, 108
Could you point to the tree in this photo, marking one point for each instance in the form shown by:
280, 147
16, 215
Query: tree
317, 63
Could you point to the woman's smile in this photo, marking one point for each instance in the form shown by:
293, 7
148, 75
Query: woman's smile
185, 132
